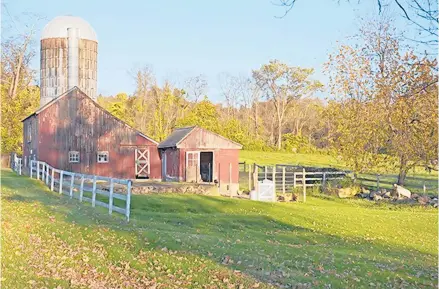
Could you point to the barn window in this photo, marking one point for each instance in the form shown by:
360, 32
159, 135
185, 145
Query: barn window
103, 157
73, 157
192, 159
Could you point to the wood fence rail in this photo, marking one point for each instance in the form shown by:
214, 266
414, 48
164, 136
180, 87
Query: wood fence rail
89, 188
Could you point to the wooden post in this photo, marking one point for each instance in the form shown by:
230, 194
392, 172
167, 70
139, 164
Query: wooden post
324, 180
245, 167
47, 174
19, 166
31, 168
274, 178
52, 181
294, 179
424, 188
230, 179
265, 168
38, 170
255, 176
249, 179
81, 188
283, 181
378, 181
60, 181
304, 185
93, 196
72, 181
128, 202
110, 205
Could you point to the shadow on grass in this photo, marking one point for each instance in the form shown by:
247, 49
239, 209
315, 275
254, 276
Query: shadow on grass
257, 244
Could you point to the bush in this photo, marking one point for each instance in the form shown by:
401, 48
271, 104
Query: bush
342, 188
297, 144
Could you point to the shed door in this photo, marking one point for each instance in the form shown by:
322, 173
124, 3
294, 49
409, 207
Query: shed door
192, 166
142, 163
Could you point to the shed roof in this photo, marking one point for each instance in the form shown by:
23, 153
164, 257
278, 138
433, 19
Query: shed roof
179, 135
176, 137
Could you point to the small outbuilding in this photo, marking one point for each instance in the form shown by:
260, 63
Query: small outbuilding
74, 133
194, 154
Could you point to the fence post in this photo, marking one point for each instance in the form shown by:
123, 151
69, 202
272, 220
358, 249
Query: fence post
93, 197
265, 167
274, 182
255, 176
294, 179
81, 189
230, 179
378, 181
424, 188
52, 181
304, 185
128, 202
72, 180
47, 174
249, 179
38, 170
324, 180
19, 166
31, 168
60, 181
283, 180
110, 205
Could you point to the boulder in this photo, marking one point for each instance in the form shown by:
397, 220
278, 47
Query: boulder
402, 192
415, 196
423, 200
373, 194
377, 197
364, 191
386, 195
280, 198
383, 192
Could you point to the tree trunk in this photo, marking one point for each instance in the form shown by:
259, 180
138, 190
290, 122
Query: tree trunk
402, 171
279, 135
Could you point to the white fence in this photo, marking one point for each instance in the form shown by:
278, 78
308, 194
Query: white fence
88, 188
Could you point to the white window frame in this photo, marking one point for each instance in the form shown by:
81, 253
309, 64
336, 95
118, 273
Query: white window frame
29, 132
102, 153
74, 157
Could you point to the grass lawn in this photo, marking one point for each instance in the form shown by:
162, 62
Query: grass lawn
176, 241
414, 181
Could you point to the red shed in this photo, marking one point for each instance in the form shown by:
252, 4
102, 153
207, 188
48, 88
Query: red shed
74, 133
195, 154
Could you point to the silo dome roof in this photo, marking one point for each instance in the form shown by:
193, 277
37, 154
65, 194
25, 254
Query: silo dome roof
57, 28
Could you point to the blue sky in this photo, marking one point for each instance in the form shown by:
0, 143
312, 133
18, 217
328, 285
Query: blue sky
179, 39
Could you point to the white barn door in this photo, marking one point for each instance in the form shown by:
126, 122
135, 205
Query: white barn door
142, 162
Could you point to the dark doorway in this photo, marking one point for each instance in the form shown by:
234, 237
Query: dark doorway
206, 166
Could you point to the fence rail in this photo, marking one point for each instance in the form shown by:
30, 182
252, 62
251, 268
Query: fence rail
287, 178
88, 188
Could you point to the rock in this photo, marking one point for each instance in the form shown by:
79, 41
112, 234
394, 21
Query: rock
365, 191
383, 192
401, 191
423, 200
365, 196
415, 196
386, 195
280, 198
377, 197
373, 194
435, 205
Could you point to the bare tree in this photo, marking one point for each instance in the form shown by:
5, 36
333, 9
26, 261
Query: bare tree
423, 14
195, 88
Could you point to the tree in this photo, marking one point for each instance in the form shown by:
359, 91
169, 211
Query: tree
19, 96
423, 14
386, 108
282, 84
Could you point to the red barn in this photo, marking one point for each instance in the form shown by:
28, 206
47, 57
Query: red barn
195, 154
73, 133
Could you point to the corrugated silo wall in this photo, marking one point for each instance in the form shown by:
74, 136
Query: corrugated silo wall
54, 64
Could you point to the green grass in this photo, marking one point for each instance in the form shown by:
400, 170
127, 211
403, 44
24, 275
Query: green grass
176, 241
414, 182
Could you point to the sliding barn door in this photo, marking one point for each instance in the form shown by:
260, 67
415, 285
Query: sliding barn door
142, 163
192, 166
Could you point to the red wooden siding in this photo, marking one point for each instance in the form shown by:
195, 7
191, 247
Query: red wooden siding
77, 123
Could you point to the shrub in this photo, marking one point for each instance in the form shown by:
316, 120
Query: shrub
297, 144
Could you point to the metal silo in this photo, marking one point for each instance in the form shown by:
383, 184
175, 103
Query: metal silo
69, 53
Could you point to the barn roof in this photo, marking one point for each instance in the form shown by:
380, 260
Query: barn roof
176, 137
38, 111
180, 134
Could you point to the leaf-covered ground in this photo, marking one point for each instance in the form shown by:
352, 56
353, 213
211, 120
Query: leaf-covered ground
172, 241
